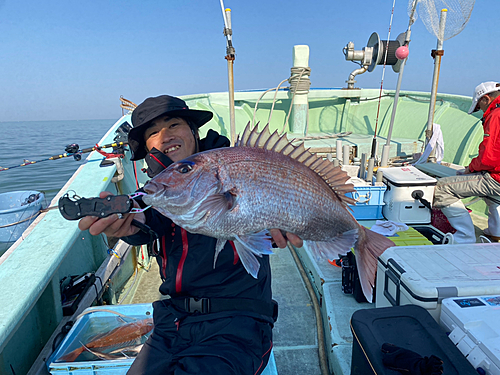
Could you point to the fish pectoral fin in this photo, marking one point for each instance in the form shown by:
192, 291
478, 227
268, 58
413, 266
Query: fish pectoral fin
329, 250
251, 246
218, 248
259, 243
218, 204
248, 258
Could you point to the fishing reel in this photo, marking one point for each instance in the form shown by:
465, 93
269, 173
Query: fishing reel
74, 149
32, 198
374, 54
122, 132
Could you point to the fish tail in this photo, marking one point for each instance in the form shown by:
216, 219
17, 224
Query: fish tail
72, 356
368, 248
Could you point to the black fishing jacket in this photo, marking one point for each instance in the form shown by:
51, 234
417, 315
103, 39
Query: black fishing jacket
186, 260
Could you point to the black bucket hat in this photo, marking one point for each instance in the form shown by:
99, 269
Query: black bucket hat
150, 109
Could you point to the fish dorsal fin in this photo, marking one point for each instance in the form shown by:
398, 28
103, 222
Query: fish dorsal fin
335, 177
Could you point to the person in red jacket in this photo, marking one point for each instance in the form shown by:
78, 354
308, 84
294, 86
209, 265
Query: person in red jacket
481, 178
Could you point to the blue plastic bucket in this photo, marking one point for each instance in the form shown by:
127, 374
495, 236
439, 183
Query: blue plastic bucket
18, 209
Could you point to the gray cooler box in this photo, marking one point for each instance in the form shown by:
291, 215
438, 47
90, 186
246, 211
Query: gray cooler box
425, 275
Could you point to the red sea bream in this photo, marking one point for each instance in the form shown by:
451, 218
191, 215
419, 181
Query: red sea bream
239, 193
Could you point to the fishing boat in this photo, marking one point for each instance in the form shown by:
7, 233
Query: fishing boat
34, 321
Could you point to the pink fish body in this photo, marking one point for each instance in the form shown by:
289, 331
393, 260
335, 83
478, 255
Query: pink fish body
239, 193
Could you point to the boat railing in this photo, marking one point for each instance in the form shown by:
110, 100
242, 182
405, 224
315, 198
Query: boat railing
31, 271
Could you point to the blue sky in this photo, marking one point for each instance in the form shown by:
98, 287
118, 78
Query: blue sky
71, 60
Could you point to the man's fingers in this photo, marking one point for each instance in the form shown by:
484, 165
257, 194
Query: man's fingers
295, 240
281, 240
106, 224
278, 238
86, 222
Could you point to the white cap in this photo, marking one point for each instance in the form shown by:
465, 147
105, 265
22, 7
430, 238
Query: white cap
481, 90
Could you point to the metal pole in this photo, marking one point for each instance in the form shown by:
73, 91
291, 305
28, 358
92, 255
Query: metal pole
232, 124
436, 54
385, 151
230, 56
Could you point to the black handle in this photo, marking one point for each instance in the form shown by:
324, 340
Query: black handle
418, 195
75, 209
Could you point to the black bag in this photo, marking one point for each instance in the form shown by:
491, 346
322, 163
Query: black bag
350, 277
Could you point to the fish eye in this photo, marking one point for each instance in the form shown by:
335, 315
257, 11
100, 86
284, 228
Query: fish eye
185, 168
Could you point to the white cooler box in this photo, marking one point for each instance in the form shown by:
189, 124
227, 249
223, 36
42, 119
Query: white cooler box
474, 327
404, 184
425, 275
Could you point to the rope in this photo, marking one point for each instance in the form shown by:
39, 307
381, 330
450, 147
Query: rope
43, 210
323, 358
297, 83
297, 86
262, 95
21, 221
274, 101
104, 310
127, 104
336, 135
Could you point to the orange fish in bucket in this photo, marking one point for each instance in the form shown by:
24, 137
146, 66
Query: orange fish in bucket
119, 335
239, 193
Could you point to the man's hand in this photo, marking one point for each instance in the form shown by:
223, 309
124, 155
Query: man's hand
281, 241
113, 225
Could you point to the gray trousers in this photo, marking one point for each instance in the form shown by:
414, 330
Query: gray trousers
451, 189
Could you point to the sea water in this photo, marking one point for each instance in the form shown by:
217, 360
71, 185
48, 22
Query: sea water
38, 140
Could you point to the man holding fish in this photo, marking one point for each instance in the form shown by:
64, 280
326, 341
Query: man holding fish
219, 318
212, 210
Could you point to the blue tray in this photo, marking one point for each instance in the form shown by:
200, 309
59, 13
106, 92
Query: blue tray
370, 200
107, 367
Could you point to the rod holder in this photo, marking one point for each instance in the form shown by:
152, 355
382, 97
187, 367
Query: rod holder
369, 173
338, 150
345, 154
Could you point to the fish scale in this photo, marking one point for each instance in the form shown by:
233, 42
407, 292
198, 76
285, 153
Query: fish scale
239, 193
308, 207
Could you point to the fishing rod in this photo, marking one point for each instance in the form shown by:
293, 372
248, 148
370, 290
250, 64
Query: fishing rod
386, 48
74, 151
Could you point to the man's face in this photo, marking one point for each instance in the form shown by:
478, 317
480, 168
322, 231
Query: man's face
172, 136
484, 102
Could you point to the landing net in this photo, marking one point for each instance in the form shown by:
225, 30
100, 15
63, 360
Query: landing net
457, 17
